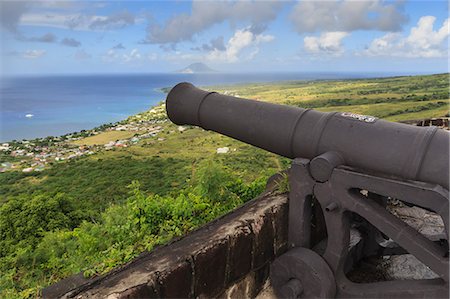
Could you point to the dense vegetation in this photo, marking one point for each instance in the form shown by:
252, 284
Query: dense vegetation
47, 237
93, 213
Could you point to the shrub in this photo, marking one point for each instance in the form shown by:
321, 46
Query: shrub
40, 247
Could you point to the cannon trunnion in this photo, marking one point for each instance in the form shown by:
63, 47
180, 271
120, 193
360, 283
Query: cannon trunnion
346, 169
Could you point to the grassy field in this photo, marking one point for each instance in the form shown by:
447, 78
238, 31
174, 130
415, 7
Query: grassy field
394, 99
105, 137
74, 206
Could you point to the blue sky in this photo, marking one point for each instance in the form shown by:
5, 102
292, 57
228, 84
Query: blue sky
52, 37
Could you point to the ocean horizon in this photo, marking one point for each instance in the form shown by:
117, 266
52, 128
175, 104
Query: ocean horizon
40, 106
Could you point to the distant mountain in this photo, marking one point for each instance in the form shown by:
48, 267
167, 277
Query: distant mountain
196, 68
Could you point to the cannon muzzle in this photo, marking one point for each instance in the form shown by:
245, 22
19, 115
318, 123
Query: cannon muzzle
363, 142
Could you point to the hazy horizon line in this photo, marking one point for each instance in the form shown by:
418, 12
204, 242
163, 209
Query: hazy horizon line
76, 74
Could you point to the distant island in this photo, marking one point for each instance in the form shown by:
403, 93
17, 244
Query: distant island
196, 68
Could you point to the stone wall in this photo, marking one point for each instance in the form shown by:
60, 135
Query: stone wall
442, 122
228, 258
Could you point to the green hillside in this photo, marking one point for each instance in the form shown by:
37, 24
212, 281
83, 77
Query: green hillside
98, 198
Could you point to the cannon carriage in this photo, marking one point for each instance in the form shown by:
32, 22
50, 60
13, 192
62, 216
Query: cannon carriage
346, 168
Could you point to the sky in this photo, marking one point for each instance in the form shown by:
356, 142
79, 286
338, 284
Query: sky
79, 37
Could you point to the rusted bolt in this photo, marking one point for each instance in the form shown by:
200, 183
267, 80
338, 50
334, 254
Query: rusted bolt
292, 289
331, 207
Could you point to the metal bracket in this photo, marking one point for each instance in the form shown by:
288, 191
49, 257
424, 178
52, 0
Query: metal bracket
327, 201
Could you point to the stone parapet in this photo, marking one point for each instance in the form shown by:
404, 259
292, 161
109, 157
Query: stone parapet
226, 258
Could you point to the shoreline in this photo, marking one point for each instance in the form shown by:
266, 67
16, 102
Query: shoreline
165, 89
392, 98
40, 153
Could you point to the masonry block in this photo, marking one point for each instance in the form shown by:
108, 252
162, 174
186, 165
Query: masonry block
176, 282
243, 288
141, 291
209, 268
261, 275
264, 240
240, 261
280, 222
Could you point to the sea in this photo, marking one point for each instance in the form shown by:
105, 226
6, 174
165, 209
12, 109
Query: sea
35, 107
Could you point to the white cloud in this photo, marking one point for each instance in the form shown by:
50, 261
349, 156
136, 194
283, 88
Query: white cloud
33, 54
423, 36
14, 13
347, 15
215, 43
46, 20
178, 56
110, 56
78, 21
205, 14
242, 39
132, 57
152, 56
326, 43
92, 22
422, 41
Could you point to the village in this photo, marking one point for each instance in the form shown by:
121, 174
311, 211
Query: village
39, 154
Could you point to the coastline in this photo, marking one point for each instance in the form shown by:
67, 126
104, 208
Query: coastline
68, 104
39, 153
370, 96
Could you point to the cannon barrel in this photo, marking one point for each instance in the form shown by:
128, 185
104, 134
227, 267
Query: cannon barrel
363, 142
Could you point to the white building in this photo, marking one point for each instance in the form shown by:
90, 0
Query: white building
223, 150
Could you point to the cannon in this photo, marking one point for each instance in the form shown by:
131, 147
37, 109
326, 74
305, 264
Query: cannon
345, 171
